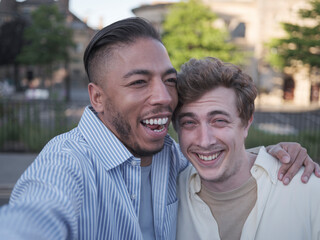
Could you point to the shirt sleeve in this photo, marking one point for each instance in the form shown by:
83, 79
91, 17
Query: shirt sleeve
45, 201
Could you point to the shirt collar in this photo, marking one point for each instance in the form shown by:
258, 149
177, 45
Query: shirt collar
104, 143
267, 163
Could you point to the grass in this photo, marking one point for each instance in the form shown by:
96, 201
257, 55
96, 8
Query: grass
309, 140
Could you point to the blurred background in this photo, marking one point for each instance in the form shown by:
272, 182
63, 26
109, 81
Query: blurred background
43, 85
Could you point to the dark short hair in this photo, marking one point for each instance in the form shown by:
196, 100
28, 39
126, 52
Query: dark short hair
121, 32
198, 77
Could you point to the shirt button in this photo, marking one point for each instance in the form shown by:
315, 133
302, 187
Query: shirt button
133, 196
134, 163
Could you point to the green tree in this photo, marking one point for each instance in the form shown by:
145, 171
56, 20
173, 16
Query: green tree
48, 40
189, 32
302, 41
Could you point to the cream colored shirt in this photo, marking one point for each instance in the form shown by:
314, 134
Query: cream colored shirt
280, 213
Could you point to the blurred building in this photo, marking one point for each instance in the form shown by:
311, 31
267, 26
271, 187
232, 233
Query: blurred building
251, 24
11, 10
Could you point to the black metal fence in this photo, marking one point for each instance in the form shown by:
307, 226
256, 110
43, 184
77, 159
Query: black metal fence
270, 127
26, 126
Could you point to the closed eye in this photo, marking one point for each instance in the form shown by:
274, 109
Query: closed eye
220, 122
138, 82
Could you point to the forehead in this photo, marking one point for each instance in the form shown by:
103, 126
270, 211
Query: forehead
218, 99
142, 53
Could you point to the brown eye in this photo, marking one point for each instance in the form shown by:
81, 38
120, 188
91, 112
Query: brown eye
171, 81
137, 82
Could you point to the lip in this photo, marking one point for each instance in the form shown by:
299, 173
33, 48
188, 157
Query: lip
208, 163
154, 135
162, 115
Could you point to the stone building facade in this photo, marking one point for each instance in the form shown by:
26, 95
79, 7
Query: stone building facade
251, 24
82, 33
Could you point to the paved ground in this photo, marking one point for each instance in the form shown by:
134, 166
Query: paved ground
12, 165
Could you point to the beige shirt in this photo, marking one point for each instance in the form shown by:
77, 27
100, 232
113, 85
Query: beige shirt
231, 209
281, 212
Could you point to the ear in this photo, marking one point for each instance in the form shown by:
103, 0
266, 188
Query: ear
96, 97
248, 126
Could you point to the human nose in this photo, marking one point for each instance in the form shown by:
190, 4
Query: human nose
160, 94
206, 136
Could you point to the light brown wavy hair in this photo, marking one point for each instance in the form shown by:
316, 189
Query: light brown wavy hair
197, 77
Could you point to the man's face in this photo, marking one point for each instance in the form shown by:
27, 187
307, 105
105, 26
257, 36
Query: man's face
211, 136
140, 95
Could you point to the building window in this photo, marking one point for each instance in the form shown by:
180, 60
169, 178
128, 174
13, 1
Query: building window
239, 31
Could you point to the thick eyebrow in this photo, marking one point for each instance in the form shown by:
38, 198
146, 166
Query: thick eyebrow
210, 114
213, 113
136, 72
170, 71
186, 114
146, 72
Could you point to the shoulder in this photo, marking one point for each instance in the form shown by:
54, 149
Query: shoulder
185, 177
272, 165
187, 172
176, 155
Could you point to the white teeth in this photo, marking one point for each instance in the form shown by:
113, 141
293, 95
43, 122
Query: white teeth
156, 121
208, 158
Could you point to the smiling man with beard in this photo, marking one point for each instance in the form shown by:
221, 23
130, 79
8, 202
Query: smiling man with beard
114, 175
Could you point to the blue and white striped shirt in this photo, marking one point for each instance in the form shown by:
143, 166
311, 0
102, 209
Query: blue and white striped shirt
86, 185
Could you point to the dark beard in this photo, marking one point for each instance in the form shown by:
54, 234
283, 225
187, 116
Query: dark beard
123, 130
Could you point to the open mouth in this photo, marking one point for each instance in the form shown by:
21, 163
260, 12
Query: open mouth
208, 157
156, 124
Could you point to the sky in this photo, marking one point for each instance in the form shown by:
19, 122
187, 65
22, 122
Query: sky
106, 11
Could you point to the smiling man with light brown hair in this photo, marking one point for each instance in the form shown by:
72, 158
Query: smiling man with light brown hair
230, 193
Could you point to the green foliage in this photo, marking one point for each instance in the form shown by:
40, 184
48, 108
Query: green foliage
308, 139
302, 42
48, 38
31, 125
189, 32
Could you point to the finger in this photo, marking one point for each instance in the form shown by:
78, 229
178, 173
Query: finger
310, 167
296, 165
280, 152
283, 170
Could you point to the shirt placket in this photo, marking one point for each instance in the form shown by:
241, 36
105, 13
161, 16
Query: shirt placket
132, 176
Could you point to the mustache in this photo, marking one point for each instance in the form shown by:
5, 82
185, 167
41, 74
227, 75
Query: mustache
159, 109
207, 149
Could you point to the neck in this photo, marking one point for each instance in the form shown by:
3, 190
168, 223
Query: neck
234, 179
146, 161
